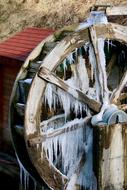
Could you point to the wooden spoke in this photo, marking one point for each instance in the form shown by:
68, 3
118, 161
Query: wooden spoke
119, 89
93, 36
47, 75
55, 118
123, 107
65, 129
122, 96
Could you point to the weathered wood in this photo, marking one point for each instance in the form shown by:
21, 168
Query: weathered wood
56, 132
123, 107
115, 11
45, 74
46, 123
111, 162
119, 89
99, 69
52, 176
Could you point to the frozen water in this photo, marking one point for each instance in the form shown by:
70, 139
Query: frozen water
94, 18
24, 177
66, 149
94, 72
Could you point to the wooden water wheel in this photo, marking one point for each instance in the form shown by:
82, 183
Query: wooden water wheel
19, 96
72, 85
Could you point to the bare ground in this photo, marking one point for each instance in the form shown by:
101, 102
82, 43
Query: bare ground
16, 15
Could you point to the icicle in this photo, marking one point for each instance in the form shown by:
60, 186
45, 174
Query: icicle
94, 73
49, 95
65, 100
65, 67
70, 58
24, 177
68, 103
86, 46
103, 82
87, 177
35, 185
103, 75
72, 183
108, 44
82, 75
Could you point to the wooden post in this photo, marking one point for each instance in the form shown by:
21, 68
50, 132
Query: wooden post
110, 156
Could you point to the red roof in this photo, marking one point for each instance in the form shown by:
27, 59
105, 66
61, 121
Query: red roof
20, 45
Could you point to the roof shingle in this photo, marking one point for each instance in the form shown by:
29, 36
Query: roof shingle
21, 44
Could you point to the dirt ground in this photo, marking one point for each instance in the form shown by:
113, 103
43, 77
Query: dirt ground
16, 15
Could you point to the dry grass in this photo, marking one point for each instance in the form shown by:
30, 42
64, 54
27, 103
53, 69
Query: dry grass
15, 15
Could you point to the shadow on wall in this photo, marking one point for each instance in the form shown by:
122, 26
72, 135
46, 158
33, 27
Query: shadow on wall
9, 172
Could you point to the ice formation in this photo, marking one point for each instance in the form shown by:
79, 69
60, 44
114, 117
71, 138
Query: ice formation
24, 177
103, 91
94, 73
79, 80
68, 148
65, 150
94, 18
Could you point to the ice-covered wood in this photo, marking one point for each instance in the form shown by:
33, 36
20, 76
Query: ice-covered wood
119, 89
52, 78
54, 58
66, 128
103, 92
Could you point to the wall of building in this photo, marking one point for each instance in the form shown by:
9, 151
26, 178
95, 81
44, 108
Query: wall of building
8, 71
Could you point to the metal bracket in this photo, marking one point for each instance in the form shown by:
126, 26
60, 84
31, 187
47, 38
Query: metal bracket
112, 116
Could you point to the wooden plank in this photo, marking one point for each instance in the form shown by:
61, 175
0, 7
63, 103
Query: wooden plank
115, 11
47, 75
99, 70
111, 162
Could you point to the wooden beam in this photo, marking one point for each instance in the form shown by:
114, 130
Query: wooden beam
49, 76
123, 107
115, 11
94, 38
65, 129
119, 89
51, 120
